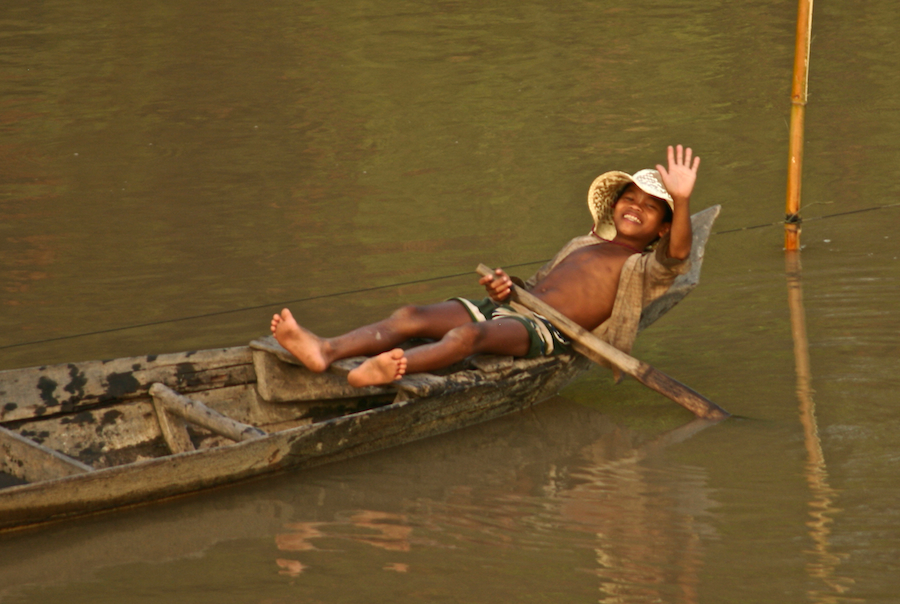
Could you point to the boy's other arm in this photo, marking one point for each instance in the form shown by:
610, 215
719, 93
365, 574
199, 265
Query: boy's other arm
679, 180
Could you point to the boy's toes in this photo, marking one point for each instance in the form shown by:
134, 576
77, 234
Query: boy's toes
400, 357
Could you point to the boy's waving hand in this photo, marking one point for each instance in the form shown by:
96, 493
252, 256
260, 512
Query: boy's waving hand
681, 175
679, 181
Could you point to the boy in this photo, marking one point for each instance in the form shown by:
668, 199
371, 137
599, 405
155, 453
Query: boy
601, 281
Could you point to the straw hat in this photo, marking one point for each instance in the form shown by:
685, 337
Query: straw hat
605, 190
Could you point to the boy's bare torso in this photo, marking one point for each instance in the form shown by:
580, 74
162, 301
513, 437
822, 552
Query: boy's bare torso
583, 285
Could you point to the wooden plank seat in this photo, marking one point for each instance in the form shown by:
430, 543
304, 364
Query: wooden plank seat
166, 401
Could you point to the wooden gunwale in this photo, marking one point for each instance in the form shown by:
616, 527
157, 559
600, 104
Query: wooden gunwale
73, 387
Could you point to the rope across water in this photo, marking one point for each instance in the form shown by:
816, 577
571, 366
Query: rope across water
374, 288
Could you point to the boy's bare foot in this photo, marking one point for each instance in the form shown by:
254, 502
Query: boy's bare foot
309, 348
382, 369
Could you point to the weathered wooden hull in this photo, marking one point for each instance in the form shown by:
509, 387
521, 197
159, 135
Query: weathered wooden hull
472, 396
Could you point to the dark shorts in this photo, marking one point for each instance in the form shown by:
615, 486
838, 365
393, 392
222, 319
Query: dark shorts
544, 339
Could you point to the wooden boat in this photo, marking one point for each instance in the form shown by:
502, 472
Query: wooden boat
81, 438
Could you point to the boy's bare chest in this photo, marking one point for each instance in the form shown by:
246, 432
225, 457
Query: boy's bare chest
583, 286
595, 264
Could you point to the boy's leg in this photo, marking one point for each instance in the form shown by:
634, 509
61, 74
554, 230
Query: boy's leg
499, 336
316, 353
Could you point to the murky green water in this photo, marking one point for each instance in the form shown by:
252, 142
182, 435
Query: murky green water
169, 160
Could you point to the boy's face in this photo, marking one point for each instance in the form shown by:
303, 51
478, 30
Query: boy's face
640, 215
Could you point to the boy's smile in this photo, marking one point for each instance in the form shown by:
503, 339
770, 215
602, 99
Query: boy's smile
631, 217
640, 216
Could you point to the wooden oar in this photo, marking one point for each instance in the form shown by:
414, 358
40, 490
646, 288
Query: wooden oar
599, 351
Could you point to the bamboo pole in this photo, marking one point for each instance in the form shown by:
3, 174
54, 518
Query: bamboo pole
798, 109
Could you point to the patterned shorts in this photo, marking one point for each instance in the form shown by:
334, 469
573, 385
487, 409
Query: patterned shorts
544, 338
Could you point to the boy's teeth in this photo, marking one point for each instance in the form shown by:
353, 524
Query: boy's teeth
632, 218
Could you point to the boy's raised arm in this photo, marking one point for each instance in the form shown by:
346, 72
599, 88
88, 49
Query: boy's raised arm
679, 180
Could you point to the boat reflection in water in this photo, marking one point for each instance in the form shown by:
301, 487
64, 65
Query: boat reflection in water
560, 487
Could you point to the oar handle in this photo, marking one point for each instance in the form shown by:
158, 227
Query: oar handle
599, 351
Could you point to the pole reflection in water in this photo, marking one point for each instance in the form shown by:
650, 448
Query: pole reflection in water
821, 505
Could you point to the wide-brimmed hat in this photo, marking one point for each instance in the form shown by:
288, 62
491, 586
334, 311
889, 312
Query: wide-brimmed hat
606, 188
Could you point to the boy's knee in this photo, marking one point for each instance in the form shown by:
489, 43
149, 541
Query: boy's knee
466, 336
407, 313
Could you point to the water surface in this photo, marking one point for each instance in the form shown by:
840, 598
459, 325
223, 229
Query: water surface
161, 161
